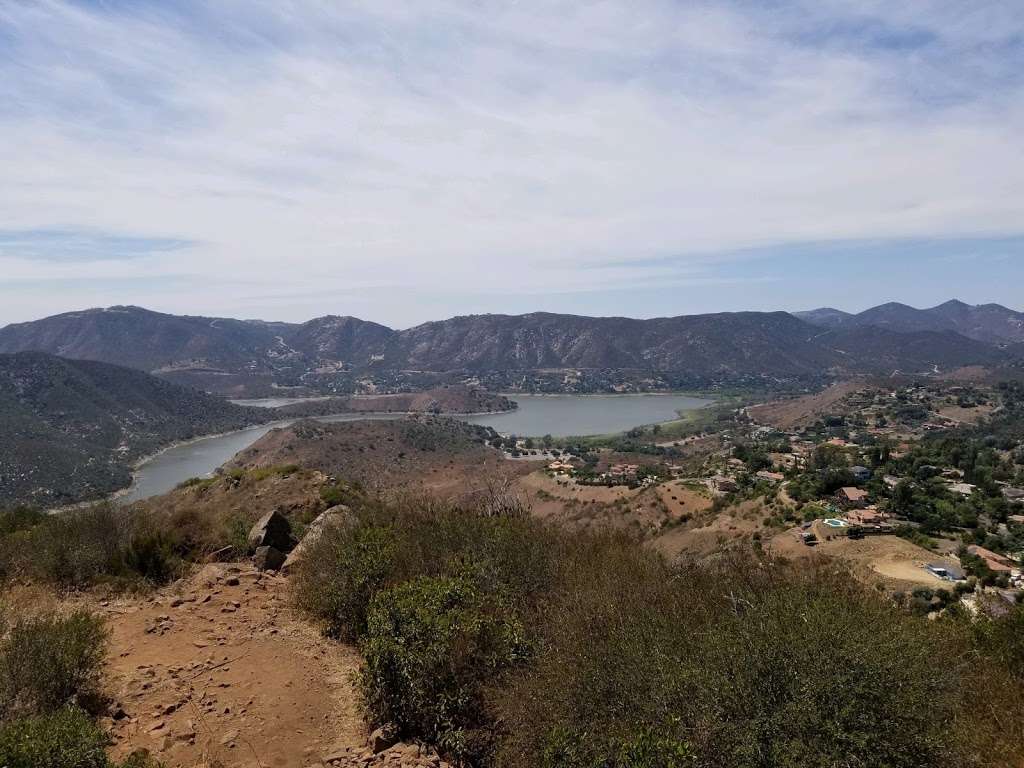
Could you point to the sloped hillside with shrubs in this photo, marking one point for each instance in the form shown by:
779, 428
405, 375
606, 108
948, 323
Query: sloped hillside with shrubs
72, 428
428, 453
508, 643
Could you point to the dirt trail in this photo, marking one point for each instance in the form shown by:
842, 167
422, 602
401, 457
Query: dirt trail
217, 671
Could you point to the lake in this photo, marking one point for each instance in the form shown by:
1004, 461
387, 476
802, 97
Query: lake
537, 415
566, 415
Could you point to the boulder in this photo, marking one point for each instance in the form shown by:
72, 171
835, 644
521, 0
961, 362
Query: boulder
271, 530
383, 738
314, 532
268, 559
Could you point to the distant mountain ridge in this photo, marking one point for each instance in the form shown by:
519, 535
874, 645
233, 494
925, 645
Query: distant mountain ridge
72, 428
313, 356
138, 338
989, 323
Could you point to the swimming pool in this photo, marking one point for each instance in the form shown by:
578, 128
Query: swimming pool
833, 523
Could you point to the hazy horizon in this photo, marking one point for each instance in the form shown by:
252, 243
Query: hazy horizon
403, 163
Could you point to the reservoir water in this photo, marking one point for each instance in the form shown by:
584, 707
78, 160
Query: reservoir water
537, 415
579, 415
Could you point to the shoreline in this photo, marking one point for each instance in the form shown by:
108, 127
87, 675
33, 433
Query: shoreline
710, 397
270, 425
276, 423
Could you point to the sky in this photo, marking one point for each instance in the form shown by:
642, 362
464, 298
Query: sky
408, 161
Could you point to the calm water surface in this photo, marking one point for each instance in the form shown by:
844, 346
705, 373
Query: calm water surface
565, 415
537, 415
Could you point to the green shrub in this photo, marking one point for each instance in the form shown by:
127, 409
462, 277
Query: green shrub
345, 569
607, 683
70, 549
340, 493
19, 519
819, 672
197, 482
280, 470
48, 661
236, 533
66, 738
100, 544
152, 555
1003, 639
732, 665
646, 749
63, 739
350, 563
634, 663
430, 645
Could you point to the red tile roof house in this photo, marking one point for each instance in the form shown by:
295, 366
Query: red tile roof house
852, 497
995, 562
867, 517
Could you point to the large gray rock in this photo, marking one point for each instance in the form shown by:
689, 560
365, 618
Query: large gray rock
268, 559
271, 530
332, 516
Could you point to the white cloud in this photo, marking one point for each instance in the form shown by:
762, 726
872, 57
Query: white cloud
456, 147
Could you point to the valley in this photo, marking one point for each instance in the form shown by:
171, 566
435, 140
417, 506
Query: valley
378, 578
77, 431
563, 415
511, 384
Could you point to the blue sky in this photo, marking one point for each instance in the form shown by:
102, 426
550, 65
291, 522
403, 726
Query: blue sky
404, 161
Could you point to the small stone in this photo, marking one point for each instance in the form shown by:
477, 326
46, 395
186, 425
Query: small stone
229, 738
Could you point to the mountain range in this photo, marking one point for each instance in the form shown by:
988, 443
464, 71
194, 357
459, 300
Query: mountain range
990, 323
228, 355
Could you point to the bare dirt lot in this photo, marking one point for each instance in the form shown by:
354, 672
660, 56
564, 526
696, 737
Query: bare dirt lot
683, 500
799, 411
708, 532
895, 562
965, 415
640, 510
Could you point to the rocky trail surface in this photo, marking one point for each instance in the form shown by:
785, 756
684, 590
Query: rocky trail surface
216, 671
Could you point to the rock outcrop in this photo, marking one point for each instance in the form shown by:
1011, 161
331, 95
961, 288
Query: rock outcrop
335, 515
271, 530
268, 559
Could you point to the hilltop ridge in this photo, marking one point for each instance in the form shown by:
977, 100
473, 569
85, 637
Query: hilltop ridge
341, 354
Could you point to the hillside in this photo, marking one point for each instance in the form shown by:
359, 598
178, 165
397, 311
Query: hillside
72, 428
150, 341
345, 355
423, 452
879, 350
347, 339
989, 323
